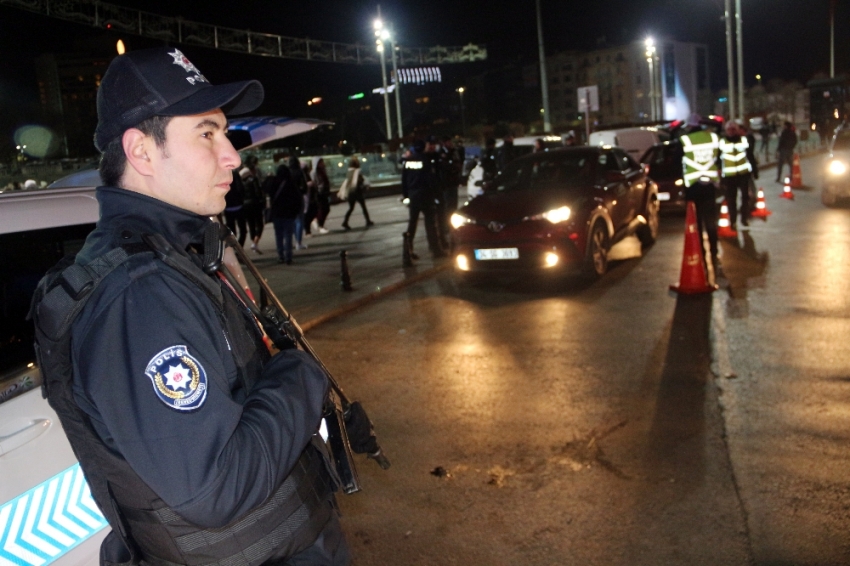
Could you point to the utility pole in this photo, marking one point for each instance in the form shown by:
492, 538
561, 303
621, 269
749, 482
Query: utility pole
832, 39
544, 83
730, 60
739, 39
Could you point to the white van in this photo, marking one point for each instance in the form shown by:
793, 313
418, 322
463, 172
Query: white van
634, 140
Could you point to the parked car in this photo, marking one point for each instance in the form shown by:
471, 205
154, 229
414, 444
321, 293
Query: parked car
634, 140
46, 511
836, 187
556, 211
664, 163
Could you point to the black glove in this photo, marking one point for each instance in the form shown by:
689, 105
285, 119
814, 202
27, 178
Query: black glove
361, 434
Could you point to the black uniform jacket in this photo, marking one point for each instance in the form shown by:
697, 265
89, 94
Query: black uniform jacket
157, 373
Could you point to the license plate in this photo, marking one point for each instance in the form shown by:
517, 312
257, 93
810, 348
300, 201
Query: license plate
663, 196
497, 253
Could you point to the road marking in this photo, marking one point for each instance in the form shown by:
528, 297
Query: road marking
721, 364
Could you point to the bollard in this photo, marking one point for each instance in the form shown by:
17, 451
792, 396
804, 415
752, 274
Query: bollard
406, 259
345, 277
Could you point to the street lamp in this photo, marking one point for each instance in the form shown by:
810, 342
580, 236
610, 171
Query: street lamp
650, 58
381, 34
460, 91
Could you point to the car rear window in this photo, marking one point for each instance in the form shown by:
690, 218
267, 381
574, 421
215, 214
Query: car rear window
24, 258
665, 161
562, 171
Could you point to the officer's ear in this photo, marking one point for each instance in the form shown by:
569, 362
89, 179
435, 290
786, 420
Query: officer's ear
138, 147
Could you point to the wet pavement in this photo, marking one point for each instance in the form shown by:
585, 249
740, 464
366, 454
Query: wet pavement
311, 287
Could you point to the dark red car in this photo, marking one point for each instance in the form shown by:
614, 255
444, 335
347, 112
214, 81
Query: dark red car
556, 211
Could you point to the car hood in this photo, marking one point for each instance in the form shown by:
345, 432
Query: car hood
518, 204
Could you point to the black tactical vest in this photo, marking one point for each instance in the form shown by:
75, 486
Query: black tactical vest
144, 528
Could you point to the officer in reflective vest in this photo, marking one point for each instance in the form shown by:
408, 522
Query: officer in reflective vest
736, 155
701, 150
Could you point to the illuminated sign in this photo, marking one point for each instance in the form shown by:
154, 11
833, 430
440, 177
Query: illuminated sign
419, 75
356, 96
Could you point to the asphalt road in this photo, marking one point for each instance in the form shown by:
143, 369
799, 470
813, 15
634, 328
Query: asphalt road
613, 423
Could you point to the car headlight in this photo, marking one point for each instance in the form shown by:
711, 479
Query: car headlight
458, 220
837, 167
555, 216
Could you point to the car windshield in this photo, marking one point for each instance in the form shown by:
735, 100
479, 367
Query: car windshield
547, 171
24, 259
665, 161
842, 140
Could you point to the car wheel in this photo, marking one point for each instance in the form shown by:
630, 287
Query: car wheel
596, 260
648, 233
828, 198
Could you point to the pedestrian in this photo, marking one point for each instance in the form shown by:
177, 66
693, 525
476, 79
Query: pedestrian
419, 186
506, 153
310, 203
764, 131
234, 213
285, 203
570, 140
354, 189
785, 151
488, 161
198, 445
701, 151
300, 182
539, 146
737, 170
323, 193
255, 200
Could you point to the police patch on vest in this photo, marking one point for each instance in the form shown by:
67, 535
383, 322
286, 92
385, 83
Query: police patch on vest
179, 379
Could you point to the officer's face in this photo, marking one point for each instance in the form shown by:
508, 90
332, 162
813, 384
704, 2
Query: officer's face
194, 169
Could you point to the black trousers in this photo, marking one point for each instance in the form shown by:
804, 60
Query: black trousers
704, 197
425, 206
734, 185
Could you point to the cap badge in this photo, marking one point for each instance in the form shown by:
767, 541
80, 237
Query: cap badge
188, 66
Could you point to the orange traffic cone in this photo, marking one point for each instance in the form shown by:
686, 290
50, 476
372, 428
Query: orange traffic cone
786, 190
796, 174
692, 280
724, 225
760, 211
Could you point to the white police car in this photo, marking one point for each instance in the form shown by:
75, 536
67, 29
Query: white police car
47, 514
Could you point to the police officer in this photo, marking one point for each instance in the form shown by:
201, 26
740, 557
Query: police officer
419, 185
737, 159
199, 446
488, 161
701, 150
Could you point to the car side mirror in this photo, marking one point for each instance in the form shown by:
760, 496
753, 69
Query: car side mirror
614, 176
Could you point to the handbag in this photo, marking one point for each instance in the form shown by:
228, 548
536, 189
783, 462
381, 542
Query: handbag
342, 193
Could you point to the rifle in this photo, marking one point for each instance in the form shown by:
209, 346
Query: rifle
340, 414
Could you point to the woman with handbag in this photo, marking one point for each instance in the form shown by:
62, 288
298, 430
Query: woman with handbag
354, 190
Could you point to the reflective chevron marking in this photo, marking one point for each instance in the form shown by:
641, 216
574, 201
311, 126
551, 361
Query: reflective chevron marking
39, 526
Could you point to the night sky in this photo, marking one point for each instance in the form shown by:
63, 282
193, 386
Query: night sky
784, 39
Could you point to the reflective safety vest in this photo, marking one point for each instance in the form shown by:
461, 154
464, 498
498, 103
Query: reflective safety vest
734, 155
699, 162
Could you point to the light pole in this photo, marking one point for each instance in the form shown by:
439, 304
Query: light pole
739, 39
381, 34
544, 83
729, 59
650, 58
397, 88
460, 91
